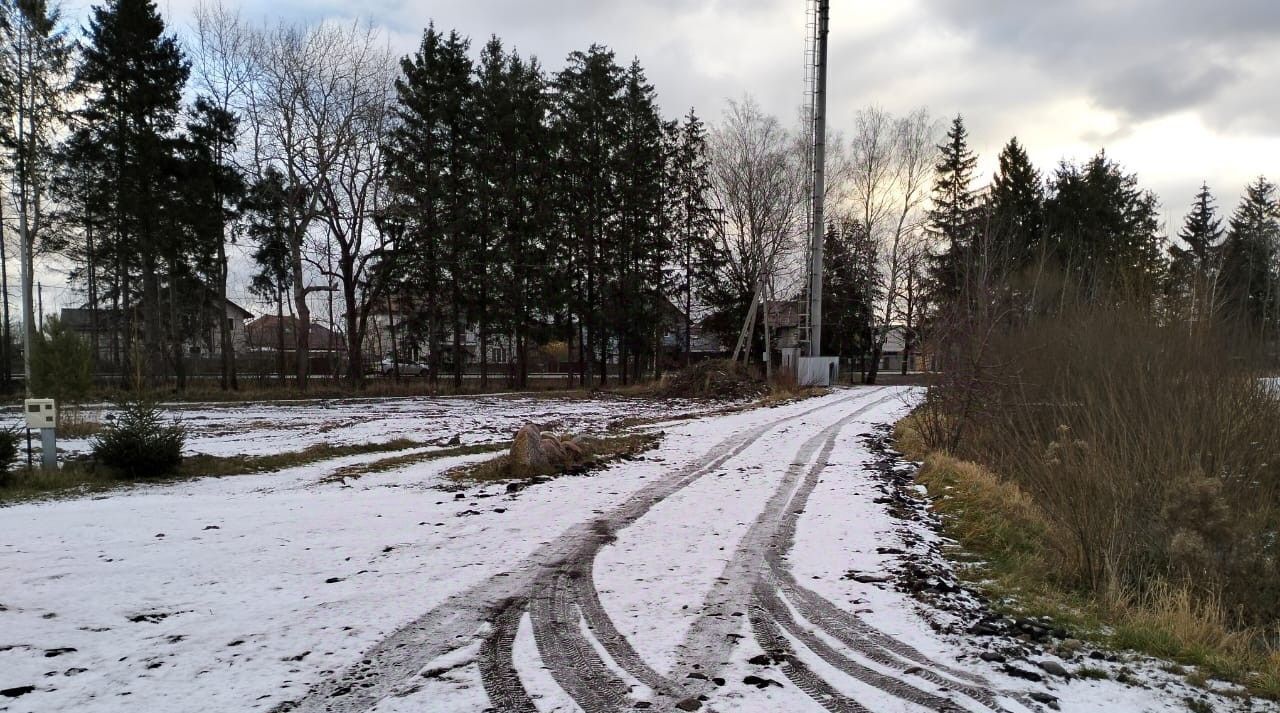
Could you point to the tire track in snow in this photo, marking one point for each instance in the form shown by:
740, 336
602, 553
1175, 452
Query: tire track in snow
392, 664
757, 577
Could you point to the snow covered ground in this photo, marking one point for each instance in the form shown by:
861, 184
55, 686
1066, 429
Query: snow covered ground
272, 427
708, 572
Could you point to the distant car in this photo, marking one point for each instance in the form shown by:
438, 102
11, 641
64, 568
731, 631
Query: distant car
407, 368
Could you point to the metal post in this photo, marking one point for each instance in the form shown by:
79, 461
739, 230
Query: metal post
819, 182
48, 449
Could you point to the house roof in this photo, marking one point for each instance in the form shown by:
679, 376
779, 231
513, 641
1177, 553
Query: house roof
785, 313
263, 330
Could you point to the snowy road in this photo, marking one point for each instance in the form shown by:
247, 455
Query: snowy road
709, 573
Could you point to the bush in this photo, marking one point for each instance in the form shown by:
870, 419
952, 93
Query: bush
139, 444
10, 449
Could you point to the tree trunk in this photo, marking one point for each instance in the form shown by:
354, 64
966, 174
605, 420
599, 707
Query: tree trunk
5, 349
280, 355
302, 322
224, 323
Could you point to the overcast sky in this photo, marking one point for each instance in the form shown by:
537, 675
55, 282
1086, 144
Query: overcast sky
1180, 91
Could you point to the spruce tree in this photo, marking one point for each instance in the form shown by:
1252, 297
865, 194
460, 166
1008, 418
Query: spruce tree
586, 123
1248, 279
691, 220
1193, 269
1016, 209
639, 250
213, 191
852, 289
1104, 230
951, 220
265, 205
132, 76
430, 162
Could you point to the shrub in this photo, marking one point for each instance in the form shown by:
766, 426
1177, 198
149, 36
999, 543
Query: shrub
10, 449
139, 444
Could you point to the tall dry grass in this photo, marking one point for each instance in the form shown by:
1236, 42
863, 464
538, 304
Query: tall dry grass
1152, 450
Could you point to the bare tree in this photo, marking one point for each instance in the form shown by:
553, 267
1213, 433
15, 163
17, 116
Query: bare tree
222, 68
300, 82
892, 169
758, 184
352, 191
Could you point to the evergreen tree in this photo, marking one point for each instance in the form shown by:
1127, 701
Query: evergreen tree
952, 217
213, 189
1103, 229
132, 76
265, 207
1248, 279
430, 162
586, 123
691, 220
1016, 210
1193, 269
637, 254
851, 291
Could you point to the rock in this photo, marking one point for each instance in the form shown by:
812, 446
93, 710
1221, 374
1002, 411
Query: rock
761, 683
991, 657
760, 660
865, 578
1044, 698
573, 451
527, 456
50, 653
17, 691
456, 440
1022, 673
1055, 668
555, 452
689, 704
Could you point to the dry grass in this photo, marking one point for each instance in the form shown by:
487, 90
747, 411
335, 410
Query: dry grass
81, 477
999, 523
79, 421
600, 452
383, 465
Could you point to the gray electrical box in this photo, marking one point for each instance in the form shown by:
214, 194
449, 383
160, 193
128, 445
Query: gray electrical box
41, 413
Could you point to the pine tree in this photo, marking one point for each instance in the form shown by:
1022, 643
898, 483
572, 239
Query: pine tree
951, 219
1016, 210
1248, 279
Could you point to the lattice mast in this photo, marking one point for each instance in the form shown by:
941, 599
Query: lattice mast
818, 16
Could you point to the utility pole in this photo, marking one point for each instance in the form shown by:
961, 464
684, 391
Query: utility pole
819, 181
40, 303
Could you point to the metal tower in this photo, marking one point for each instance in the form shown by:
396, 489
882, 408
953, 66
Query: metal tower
816, 76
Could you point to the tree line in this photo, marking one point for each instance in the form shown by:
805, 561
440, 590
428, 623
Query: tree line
484, 196
479, 197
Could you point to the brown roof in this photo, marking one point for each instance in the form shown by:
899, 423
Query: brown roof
785, 313
264, 332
